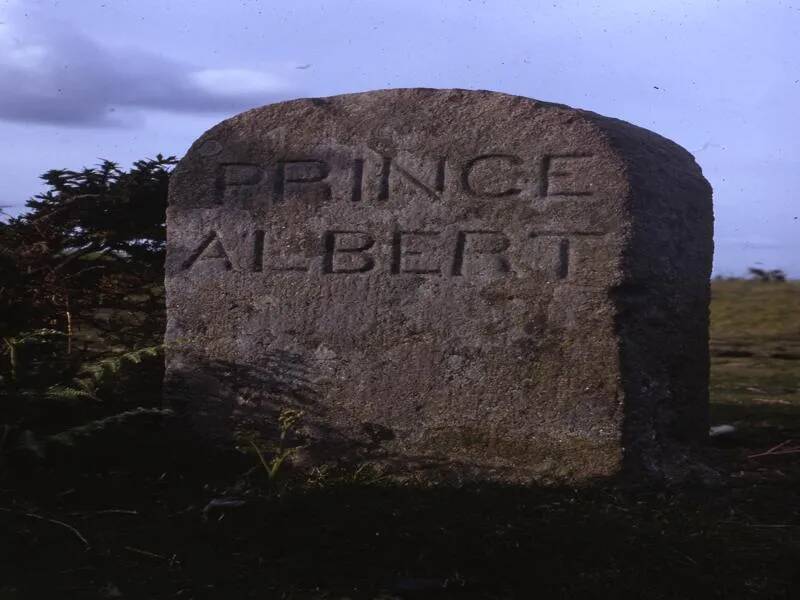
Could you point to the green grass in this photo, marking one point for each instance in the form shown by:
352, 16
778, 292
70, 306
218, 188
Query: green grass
743, 310
755, 358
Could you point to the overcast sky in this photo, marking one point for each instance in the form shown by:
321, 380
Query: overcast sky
82, 80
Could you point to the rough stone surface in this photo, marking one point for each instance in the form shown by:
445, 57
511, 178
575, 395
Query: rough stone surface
453, 284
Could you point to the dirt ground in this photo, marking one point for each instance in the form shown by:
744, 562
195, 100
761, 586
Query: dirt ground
148, 517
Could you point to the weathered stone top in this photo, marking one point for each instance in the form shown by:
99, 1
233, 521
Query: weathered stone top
476, 281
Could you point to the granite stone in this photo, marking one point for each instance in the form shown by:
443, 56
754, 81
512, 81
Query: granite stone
450, 284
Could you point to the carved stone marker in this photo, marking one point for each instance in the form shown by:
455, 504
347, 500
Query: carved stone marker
447, 282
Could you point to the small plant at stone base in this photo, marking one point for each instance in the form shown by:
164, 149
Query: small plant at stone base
270, 456
326, 476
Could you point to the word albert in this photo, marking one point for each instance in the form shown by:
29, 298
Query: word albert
452, 253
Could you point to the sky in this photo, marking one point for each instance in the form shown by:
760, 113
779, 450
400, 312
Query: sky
85, 80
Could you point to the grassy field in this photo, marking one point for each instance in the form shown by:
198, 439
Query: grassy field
149, 522
755, 354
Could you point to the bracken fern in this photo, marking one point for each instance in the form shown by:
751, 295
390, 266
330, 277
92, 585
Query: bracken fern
99, 376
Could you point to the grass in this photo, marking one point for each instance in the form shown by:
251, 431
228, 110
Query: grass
171, 524
755, 358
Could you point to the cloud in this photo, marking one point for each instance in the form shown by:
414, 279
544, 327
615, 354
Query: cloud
57, 76
234, 82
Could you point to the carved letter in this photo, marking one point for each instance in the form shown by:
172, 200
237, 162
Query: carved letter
563, 258
559, 175
488, 243
492, 171
258, 250
212, 249
412, 244
559, 256
349, 247
358, 177
232, 175
299, 171
388, 165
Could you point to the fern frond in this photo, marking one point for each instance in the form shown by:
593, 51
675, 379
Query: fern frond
104, 370
63, 392
71, 436
95, 377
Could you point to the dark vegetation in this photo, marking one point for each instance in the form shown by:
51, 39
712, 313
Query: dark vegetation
102, 496
81, 275
767, 275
